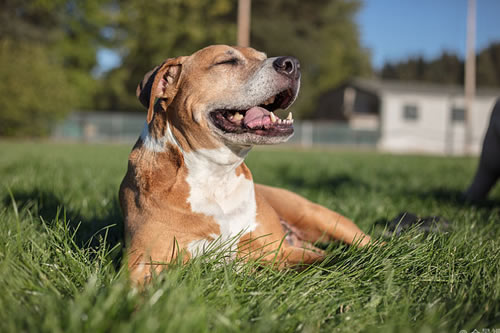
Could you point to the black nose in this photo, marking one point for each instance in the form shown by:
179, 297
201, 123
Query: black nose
288, 66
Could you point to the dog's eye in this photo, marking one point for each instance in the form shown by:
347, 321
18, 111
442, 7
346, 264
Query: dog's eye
232, 61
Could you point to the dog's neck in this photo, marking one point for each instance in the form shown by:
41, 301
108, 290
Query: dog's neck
217, 162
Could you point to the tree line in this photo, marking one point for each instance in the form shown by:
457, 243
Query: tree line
48, 49
448, 68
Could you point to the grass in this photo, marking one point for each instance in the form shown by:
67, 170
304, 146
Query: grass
61, 235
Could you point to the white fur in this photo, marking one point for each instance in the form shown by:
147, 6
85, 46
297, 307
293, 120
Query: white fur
214, 189
199, 246
150, 143
157, 145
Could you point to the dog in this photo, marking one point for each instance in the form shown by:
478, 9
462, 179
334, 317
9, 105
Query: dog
488, 171
187, 186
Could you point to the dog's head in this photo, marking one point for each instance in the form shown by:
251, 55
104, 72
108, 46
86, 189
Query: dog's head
224, 95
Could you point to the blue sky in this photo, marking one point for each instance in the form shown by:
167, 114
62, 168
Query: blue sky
396, 29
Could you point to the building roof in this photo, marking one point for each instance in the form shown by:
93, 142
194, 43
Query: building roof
378, 86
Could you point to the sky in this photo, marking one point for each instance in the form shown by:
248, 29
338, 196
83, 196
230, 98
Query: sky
397, 29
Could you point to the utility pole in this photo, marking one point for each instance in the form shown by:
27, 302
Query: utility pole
244, 9
470, 73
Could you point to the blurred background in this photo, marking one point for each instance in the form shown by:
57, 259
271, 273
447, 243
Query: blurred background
388, 75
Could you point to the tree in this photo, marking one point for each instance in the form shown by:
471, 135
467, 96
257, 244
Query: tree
147, 32
412, 69
45, 41
448, 68
488, 66
33, 92
322, 34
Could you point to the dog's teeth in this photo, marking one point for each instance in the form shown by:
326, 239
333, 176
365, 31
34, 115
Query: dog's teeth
289, 117
273, 117
237, 116
291, 120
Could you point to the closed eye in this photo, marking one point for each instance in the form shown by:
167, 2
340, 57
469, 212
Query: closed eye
232, 61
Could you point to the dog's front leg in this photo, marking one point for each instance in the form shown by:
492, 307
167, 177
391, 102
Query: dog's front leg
270, 251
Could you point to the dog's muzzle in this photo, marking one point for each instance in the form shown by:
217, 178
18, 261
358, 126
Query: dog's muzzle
260, 119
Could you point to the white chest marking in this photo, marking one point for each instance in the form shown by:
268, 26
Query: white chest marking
214, 190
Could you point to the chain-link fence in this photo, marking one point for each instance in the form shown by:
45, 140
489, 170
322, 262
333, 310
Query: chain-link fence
127, 126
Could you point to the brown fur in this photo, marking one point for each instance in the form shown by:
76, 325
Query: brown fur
159, 221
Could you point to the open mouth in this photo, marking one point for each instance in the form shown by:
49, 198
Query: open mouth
260, 119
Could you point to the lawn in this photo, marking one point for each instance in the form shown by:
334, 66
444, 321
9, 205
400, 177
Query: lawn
61, 236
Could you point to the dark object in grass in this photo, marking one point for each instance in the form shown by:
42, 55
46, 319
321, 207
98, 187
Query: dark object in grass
406, 220
488, 171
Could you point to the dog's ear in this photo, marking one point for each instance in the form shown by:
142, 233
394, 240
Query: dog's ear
161, 82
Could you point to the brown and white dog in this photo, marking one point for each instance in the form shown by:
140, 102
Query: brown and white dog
187, 186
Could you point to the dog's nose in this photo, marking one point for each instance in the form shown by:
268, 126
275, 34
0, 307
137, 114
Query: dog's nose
288, 66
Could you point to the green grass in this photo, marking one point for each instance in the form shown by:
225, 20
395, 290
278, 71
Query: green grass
61, 232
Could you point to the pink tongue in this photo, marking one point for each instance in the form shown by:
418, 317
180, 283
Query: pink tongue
256, 117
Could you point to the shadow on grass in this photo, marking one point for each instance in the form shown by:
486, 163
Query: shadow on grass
456, 197
89, 231
322, 182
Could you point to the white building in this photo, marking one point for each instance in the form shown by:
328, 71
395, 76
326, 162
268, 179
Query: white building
411, 117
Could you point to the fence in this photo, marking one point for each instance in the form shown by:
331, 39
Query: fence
126, 127
100, 126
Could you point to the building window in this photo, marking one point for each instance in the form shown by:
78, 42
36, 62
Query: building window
410, 112
457, 114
